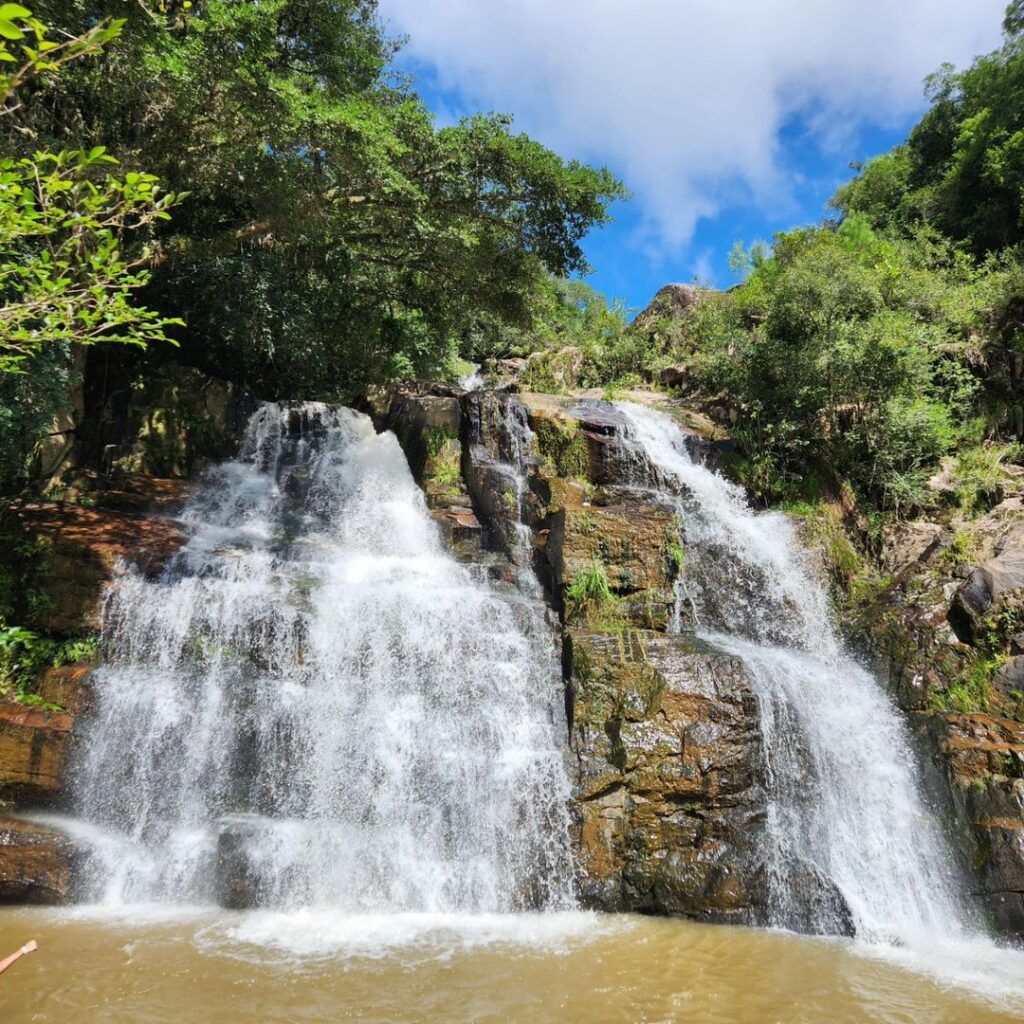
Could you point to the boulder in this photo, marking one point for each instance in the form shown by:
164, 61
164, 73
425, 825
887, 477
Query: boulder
33, 744
35, 863
993, 587
676, 377
669, 303
817, 900
554, 370
667, 748
1008, 679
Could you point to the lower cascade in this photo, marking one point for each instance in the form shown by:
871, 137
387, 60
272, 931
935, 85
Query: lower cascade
850, 842
316, 706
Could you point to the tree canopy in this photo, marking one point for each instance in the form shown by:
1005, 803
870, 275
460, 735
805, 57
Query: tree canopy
334, 235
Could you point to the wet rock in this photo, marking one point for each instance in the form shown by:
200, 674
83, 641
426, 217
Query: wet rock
35, 863
238, 879
462, 531
667, 749
983, 760
584, 439
494, 488
422, 415
818, 900
33, 744
84, 548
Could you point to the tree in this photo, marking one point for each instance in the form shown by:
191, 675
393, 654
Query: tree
335, 235
65, 273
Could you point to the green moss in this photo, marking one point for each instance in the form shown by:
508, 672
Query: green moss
823, 527
960, 550
971, 691
564, 446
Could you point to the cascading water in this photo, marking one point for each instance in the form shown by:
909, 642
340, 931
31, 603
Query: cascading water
317, 706
844, 802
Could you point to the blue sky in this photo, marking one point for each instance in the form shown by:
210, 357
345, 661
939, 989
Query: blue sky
728, 119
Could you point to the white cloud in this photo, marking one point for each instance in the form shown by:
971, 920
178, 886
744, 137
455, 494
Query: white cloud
685, 99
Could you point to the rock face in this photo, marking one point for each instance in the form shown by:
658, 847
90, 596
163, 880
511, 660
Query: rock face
665, 735
663, 731
36, 864
168, 422
983, 758
946, 631
669, 303
33, 743
82, 548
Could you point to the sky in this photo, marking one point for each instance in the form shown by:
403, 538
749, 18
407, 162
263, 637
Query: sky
727, 119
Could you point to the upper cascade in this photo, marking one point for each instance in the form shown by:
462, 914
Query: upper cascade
850, 841
316, 706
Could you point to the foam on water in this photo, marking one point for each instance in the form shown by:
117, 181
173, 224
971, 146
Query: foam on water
317, 934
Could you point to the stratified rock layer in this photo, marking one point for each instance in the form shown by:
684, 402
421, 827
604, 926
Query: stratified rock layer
35, 863
33, 743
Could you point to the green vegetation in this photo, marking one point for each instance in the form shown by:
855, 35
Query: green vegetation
444, 465
326, 234
588, 595
24, 654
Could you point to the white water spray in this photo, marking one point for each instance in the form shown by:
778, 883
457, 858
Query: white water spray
844, 800
317, 707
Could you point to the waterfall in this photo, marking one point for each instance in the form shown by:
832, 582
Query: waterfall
844, 804
316, 706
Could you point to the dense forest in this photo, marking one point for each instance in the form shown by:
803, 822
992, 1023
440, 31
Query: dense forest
254, 184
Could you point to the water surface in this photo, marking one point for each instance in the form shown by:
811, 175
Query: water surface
313, 968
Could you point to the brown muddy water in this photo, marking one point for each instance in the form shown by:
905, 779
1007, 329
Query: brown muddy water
223, 968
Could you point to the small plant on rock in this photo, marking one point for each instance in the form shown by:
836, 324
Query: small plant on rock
588, 594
